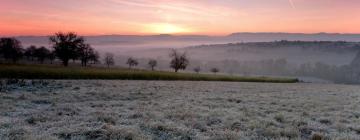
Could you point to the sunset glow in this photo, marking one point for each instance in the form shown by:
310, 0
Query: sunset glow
211, 17
166, 28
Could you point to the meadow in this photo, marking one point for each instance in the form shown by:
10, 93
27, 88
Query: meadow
177, 110
23, 71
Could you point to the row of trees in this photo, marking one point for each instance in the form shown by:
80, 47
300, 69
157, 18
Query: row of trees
39, 53
179, 61
65, 47
70, 46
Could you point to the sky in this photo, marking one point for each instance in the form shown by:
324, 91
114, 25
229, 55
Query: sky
206, 17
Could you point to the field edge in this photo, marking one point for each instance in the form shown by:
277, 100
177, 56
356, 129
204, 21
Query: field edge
26, 71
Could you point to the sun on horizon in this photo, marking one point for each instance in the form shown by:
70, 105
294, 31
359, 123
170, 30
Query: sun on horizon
166, 28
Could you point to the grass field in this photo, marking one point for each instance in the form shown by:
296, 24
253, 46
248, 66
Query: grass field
177, 110
58, 72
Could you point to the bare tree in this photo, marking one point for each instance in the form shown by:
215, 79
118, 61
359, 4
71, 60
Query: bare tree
214, 70
66, 46
179, 61
132, 62
11, 49
197, 69
94, 57
109, 59
41, 54
86, 54
30, 52
152, 63
52, 56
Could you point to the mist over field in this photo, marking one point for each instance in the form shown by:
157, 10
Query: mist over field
321, 57
106, 42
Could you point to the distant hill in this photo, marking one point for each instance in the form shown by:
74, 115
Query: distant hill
296, 52
262, 37
166, 41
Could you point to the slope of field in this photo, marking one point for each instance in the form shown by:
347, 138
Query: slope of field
162, 110
58, 72
295, 52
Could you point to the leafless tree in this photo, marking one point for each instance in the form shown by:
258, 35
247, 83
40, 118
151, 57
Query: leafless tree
30, 52
41, 54
179, 61
86, 54
132, 62
52, 56
152, 63
109, 59
11, 49
66, 46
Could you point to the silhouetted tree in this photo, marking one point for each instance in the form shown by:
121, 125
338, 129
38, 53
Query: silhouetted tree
152, 63
214, 70
132, 62
109, 59
41, 54
52, 56
94, 57
197, 69
85, 53
11, 49
30, 52
178, 61
66, 46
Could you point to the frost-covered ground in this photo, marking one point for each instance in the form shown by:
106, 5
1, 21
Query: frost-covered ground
162, 110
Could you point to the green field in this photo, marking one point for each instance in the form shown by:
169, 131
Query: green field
59, 72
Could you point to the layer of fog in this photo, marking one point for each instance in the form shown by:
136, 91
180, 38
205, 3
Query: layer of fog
125, 42
305, 58
311, 61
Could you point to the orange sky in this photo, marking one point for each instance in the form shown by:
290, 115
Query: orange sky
211, 17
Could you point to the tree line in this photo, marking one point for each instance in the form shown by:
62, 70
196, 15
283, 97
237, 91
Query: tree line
67, 47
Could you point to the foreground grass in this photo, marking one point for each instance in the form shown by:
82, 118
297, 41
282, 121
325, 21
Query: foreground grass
58, 72
177, 110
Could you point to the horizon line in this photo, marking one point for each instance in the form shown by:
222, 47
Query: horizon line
224, 35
